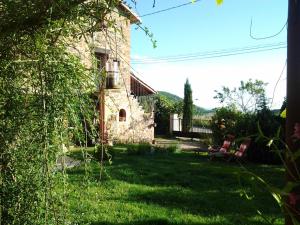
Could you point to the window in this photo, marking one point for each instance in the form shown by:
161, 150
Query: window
122, 115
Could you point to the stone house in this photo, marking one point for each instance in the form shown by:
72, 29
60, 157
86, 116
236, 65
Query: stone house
121, 94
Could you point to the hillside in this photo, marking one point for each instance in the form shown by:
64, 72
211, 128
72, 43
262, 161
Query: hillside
175, 98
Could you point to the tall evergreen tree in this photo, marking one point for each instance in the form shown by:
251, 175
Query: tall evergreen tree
187, 107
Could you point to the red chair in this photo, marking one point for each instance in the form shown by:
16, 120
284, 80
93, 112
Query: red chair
239, 154
224, 148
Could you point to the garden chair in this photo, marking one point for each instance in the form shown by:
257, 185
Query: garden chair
214, 149
239, 154
224, 148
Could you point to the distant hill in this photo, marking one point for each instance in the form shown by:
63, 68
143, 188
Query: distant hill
175, 98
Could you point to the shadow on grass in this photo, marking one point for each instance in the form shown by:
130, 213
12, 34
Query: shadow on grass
243, 221
185, 169
188, 183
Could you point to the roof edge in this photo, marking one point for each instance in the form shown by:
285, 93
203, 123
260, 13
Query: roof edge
142, 82
133, 17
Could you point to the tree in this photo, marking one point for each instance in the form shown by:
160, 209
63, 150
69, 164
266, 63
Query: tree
293, 110
246, 98
187, 107
163, 108
43, 92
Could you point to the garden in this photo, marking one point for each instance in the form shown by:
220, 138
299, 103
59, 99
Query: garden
47, 104
170, 187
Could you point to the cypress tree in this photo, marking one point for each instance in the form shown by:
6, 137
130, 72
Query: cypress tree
187, 107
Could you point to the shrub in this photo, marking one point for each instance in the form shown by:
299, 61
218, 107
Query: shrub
224, 123
229, 121
174, 148
139, 149
108, 153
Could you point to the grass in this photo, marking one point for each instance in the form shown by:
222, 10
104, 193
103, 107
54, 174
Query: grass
179, 188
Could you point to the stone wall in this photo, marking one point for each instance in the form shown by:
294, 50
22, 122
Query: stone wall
138, 126
115, 41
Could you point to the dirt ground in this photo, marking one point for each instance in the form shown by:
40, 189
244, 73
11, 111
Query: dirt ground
186, 144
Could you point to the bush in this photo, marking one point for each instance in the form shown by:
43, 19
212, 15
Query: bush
224, 123
139, 149
201, 123
108, 153
174, 148
260, 151
229, 121
145, 148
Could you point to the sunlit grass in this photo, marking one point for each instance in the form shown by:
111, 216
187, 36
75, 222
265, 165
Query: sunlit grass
179, 188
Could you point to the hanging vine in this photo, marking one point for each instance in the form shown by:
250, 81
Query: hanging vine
44, 97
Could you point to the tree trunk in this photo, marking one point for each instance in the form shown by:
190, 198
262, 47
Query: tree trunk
293, 105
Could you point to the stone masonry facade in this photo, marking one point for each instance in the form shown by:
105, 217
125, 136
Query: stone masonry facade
137, 126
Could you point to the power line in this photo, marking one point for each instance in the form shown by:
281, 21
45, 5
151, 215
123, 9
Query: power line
275, 87
212, 54
171, 8
266, 37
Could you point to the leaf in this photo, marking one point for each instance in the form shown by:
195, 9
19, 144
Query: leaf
289, 187
270, 143
283, 114
260, 130
296, 154
278, 133
295, 221
219, 2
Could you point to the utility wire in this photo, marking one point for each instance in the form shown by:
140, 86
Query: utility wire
266, 37
275, 87
171, 8
209, 55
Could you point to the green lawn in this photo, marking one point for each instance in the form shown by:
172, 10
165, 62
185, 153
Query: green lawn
178, 188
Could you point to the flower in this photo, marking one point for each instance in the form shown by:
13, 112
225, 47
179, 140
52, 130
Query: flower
296, 131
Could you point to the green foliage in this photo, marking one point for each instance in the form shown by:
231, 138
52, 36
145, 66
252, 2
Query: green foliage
103, 152
44, 90
146, 148
163, 108
36, 101
245, 98
173, 148
268, 124
229, 121
247, 109
286, 197
187, 116
174, 98
223, 123
170, 96
201, 123
147, 102
139, 149
219, 2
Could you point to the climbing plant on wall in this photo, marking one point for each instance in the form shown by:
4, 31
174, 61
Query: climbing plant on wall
44, 100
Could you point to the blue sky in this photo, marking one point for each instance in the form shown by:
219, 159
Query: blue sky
205, 27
